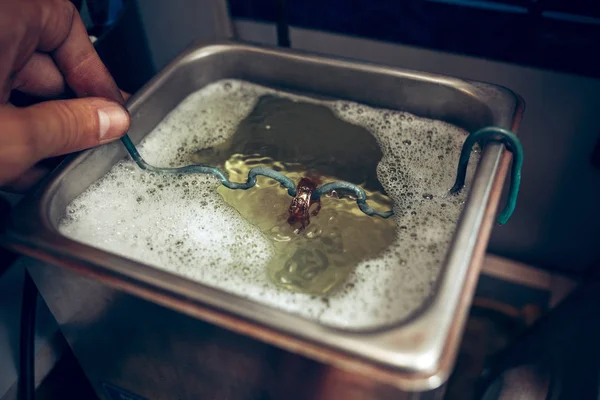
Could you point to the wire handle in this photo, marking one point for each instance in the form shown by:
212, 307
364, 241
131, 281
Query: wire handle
484, 135
361, 197
512, 143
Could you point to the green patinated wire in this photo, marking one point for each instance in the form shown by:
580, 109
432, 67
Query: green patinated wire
512, 143
254, 172
251, 182
206, 169
484, 136
361, 197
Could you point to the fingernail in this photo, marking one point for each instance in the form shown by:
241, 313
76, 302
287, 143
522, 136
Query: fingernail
113, 122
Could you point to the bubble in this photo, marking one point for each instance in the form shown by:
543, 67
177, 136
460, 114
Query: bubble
182, 225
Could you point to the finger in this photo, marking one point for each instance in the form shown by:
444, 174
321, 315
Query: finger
65, 126
31, 25
126, 96
55, 20
53, 128
81, 66
39, 77
54, 26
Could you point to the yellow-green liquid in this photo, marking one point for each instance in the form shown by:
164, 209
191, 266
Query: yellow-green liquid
301, 139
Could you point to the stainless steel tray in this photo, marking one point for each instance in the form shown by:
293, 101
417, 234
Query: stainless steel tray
417, 354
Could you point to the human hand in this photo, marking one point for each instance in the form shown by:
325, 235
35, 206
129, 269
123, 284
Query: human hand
45, 48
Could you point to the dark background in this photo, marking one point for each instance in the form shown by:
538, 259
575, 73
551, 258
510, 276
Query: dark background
552, 34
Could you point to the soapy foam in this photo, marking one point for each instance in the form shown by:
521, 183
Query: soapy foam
182, 225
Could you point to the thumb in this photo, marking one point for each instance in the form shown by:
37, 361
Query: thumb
53, 128
59, 127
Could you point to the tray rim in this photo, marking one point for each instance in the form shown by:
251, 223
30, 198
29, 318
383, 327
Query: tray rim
411, 355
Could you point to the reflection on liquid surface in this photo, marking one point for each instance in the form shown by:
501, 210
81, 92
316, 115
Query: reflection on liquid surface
306, 140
